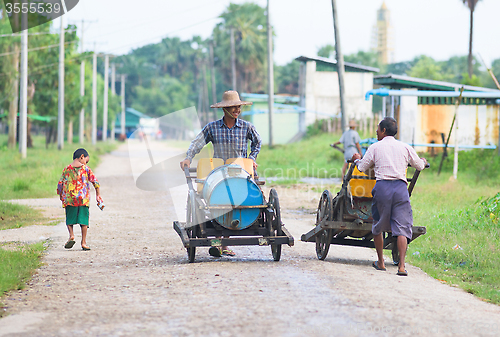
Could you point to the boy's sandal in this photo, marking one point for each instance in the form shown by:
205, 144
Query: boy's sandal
69, 244
228, 252
85, 248
402, 273
214, 251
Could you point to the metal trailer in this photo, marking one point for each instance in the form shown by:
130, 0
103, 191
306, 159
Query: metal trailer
231, 210
346, 219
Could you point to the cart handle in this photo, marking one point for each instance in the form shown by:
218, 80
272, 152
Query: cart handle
414, 179
189, 179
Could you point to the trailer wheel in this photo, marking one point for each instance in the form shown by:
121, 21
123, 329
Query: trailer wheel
275, 223
324, 239
191, 220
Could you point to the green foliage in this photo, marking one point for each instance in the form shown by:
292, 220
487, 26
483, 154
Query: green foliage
17, 264
427, 68
364, 58
250, 33
286, 78
327, 51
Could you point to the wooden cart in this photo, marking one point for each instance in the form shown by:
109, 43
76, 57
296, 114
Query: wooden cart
346, 219
229, 209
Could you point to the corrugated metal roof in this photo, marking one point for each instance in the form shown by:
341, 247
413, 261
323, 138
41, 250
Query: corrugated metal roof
348, 65
401, 81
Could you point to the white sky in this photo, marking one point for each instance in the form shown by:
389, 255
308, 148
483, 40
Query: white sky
438, 28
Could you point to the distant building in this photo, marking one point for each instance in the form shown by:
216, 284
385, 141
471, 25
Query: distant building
286, 113
423, 120
319, 90
135, 119
383, 36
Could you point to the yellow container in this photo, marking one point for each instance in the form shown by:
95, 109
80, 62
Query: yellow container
246, 163
361, 187
205, 166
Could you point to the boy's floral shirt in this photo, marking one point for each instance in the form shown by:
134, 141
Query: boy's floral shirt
74, 185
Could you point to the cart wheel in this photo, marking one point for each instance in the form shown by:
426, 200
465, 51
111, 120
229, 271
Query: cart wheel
395, 253
191, 219
324, 239
275, 223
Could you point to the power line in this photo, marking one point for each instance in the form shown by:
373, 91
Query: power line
36, 33
38, 48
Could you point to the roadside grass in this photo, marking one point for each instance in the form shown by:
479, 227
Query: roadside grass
312, 157
18, 263
38, 174
462, 244
15, 216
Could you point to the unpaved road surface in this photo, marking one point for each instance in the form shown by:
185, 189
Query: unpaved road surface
136, 280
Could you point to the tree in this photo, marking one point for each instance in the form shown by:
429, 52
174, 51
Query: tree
363, 58
286, 78
327, 51
426, 67
471, 4
249, 22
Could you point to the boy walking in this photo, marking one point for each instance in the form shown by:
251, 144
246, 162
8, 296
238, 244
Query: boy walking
74, 191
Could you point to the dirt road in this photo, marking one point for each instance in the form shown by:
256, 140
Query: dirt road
136, 280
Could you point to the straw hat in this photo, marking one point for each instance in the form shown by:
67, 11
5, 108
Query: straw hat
352, 123
230, 98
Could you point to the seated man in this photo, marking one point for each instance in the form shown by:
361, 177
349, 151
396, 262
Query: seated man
229, 136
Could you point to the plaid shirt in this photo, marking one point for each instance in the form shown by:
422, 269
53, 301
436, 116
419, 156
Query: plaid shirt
390, 158
228, 143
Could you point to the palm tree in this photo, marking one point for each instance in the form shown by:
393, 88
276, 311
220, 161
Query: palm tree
249, 22
472, 6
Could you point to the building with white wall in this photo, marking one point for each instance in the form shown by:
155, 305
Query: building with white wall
319, 90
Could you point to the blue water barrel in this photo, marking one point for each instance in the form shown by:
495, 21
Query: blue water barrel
232, 185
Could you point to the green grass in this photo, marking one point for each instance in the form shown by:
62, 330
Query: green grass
15, 216
312, 157
17, 263
38, 174
456, 213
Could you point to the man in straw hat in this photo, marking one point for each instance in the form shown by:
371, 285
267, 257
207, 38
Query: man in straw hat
351, 140
229, 136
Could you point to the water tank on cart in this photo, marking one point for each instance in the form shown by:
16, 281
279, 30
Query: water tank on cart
231, 185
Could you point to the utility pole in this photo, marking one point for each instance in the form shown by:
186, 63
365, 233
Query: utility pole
270, 74
60, 114
212, 70
82, 91
455, 157
113, 93
340, 67
23, 118
122, 121
233, 59
205, 92
94, 98
105, 108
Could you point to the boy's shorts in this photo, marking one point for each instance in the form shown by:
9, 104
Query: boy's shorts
77, 215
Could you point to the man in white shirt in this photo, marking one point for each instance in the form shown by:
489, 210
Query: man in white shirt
391, 208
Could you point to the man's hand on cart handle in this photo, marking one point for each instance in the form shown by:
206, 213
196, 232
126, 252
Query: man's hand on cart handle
356, 156
184, 163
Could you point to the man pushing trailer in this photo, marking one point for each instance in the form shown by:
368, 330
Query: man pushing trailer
391, 208
229, 136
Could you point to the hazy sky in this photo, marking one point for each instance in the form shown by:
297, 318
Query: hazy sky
438, 28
